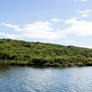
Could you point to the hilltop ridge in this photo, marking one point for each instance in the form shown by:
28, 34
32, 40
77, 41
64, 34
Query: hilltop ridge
18, 52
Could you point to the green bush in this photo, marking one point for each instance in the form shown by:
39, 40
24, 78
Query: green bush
36, 53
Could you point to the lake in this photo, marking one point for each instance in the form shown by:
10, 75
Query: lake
30, 79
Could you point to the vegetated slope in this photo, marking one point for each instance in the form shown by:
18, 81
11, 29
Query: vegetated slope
36, 53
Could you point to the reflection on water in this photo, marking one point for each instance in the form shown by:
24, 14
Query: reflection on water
29, 79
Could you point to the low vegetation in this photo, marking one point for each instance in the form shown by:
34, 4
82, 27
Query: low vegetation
17, 52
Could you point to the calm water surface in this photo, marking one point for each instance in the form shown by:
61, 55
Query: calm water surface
28, 79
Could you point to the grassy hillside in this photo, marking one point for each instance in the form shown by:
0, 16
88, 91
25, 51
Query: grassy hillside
36, 53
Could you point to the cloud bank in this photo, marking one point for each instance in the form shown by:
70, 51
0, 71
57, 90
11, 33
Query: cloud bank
84, 13
44, 30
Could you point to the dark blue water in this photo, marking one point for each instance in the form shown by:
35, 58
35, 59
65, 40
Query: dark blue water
27, 79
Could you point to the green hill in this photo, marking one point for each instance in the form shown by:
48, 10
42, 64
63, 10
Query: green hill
17, 52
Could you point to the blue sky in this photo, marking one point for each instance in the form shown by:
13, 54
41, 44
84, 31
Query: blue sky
66, 22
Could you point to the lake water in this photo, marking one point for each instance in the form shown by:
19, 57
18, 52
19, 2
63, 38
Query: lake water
28, 79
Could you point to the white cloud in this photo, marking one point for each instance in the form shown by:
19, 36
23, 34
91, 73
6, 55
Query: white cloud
84, 13
45, 31
38, 30
79, 28
56, 20
41, 30
11, 26
12, 36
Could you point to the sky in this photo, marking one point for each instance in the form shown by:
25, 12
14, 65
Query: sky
65, 22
